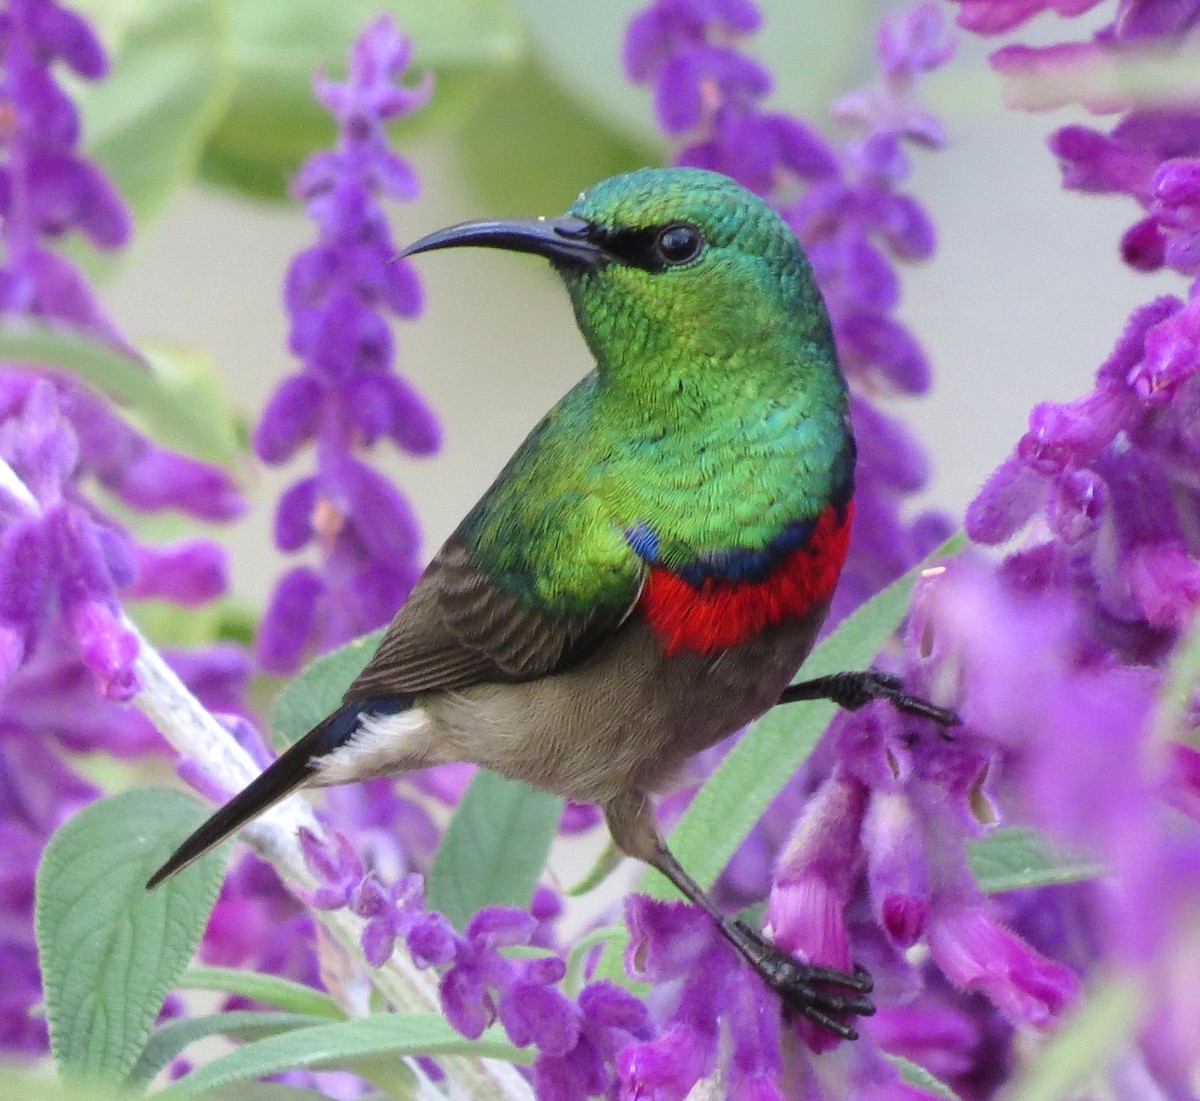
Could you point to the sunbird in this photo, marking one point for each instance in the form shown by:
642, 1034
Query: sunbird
650, 569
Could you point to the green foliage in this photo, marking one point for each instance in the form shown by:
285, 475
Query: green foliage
494, 848
109, 949
1179, 689
170, 81
273, 122
176, 399
264, 1091
35, 1085
261, 987
921, 1078
529, 149
167, 1041
1008, 859
170, 77
1083, 1047
340, 1045
308, 697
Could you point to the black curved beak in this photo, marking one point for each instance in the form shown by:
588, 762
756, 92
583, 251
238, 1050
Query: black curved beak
568, 241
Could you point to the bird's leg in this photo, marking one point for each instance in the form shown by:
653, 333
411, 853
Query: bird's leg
852, 690
822, 994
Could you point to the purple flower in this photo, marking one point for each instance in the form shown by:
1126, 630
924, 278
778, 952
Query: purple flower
65, 564
813, 878
713, 991
975, 953
996, 16
346, 399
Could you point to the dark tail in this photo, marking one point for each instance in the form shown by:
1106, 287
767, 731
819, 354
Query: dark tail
280, 778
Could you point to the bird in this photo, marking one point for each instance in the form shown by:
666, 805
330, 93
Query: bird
650, 569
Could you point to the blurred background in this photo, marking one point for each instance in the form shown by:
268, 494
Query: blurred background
1021, 303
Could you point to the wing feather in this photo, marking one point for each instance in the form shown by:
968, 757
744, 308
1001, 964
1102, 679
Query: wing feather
458, 628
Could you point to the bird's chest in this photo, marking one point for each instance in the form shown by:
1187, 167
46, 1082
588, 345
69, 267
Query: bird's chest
723, 601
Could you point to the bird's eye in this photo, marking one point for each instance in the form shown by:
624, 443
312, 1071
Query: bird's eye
678, 244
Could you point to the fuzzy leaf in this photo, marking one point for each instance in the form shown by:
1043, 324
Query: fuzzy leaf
109, 949
918, 1076
165, 398
1008, 859
20, 1084
265, 1091
308, 697
260, 987
330, 1046
168, 1040
494, 848
273, 122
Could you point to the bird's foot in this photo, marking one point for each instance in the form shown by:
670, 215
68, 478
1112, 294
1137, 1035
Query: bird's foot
823, 995
854, 690
887, 686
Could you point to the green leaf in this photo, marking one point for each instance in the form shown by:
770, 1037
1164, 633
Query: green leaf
274, 122
1178, 690
109, 949
195, 383
264, 1091
307, 698
755, 770
325, 1047
37, 1085
607, 862
168, 1040
578, 959
494, 848
261, 987
1008, 859
170, 79
921, 1078
529, 148
1105, 1022
171, 403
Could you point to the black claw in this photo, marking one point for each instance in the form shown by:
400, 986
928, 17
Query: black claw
854, 690
804, 989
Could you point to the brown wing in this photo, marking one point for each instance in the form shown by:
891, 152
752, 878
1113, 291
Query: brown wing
457, 629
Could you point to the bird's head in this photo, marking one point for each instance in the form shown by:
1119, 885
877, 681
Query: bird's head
667, 262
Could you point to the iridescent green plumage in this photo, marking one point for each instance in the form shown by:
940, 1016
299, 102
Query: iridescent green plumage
716, 413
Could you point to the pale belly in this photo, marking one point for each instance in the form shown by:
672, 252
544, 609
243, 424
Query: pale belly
625, 720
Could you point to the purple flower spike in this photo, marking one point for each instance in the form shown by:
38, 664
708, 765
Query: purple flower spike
65, 564
347, 397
